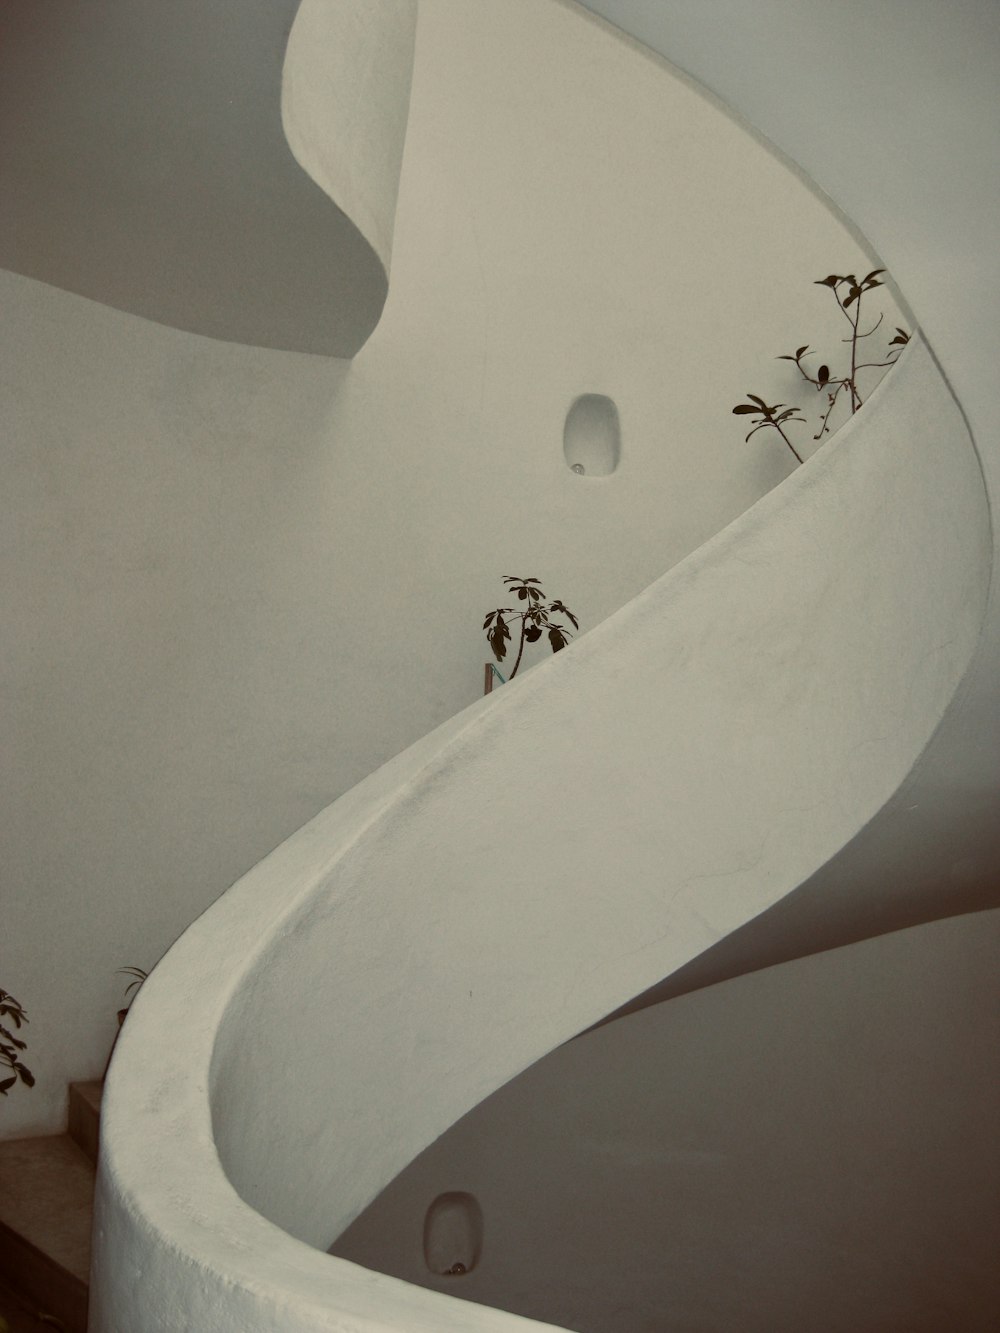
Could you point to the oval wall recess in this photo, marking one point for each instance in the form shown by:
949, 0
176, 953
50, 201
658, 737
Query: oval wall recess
453, 1234
592, 437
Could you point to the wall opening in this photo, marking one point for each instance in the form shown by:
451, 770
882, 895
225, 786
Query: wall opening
453, 1234
592, 436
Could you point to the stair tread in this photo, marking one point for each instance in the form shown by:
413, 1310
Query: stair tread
85, 1115
46, 1196
90, 1092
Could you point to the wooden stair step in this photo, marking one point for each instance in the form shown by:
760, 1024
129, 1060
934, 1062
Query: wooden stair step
85, 1115
46, 1209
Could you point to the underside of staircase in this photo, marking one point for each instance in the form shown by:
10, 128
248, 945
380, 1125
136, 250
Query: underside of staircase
46, 1206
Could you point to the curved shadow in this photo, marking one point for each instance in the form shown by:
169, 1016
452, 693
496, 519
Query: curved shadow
145, 167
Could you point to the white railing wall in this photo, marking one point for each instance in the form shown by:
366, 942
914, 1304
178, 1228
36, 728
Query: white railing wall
519, 873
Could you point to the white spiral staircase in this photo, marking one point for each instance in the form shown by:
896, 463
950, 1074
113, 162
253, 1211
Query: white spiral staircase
713, 743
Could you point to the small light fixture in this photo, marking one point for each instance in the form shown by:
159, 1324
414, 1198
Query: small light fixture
453, 1234
592, 436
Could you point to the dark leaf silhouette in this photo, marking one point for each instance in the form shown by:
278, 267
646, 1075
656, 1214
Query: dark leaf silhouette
844, 389
561, 609
11, 1046
498, 637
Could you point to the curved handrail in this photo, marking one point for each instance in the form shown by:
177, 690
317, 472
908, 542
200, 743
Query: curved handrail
145, 166
749, 711
365, 95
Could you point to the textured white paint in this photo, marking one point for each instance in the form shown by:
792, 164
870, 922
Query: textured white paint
392, 963
244, 579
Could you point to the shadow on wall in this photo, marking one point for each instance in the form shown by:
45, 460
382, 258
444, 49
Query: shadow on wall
145, 166
812, 1147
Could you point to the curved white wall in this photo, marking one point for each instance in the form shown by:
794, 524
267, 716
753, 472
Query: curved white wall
867, 572
144, 166
741, 719
344, 100
244, 579
905, 136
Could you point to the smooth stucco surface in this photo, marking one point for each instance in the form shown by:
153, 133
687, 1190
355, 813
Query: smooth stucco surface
792, 669
904, 134
144, 165
244, 579
744, 716
344, 101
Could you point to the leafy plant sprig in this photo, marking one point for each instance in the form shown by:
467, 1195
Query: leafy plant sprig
848, 292
138, 976
535, 620
769, 416
11, 1046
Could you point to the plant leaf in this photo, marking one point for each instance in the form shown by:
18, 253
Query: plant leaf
564, 610
498, 637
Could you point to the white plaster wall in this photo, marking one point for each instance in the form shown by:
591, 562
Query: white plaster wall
743, 717
808, 1147
242, 580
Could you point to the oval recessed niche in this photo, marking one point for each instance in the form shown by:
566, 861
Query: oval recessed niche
592, 437
453, 1234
